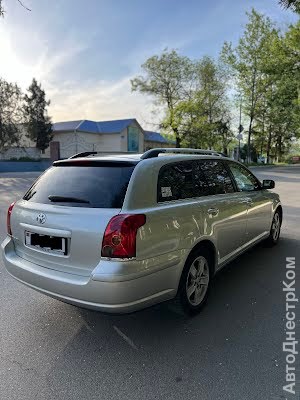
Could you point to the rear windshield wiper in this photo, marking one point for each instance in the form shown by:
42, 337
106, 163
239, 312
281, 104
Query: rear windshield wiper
66, 199
29, 195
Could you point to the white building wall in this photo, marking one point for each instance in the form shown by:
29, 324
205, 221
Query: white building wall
77, 142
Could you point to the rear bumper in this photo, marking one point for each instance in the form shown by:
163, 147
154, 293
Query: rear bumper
113, 293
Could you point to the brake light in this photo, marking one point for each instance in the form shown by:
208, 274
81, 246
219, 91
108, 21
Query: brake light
119, 240
9, 211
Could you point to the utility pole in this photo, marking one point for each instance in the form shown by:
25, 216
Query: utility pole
241, 128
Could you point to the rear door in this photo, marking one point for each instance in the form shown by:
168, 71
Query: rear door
259, 205
223, 214
60, 222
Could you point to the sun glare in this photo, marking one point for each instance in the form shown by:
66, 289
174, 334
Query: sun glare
12, 67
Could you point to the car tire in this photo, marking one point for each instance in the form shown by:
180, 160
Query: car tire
195, 281
273, 238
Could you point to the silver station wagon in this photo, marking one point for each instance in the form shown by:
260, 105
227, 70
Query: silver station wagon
121, 233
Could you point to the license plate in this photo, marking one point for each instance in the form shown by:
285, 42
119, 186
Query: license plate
48, 244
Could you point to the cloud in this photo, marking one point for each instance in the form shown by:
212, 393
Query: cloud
101, 100
14, 67
98, 100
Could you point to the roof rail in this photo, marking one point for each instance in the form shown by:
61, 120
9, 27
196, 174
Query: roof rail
155, 152
84, 154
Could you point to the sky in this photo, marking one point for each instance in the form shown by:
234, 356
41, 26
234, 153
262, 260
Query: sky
84, 52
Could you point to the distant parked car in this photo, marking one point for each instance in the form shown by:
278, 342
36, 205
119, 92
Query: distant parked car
121, 233
295, 159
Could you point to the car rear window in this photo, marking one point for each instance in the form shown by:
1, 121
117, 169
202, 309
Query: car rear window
77, 184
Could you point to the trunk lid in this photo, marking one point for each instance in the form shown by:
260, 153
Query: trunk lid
83, 231
61, 220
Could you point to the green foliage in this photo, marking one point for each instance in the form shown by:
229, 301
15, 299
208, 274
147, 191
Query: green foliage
194, 97
244, 153
293, 5
248, 62
10, 113
279, 112
169, 136
203, 119
167, 78
37, 121
263, 69
265, 65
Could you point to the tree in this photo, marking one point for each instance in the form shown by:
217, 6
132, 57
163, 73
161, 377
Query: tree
248, 61
10, 114
203, 119
211, 92
37, 121
279, 111
224, 133
2, 11
168, 79
244, 152
293, 5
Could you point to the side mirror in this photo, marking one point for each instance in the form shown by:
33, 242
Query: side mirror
268, 184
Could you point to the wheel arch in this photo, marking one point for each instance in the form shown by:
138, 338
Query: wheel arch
210, 246
279, 209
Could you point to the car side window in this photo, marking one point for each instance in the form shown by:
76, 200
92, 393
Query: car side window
175, 182
217, 177
245, 181
200, 183
188, 179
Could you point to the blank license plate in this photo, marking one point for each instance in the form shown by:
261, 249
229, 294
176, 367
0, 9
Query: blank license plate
49, 244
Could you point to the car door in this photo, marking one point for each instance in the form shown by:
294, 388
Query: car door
223, 214
259, 205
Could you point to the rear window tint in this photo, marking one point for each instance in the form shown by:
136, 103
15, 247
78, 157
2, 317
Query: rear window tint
99, 186
175, 181
217, 177
188, 179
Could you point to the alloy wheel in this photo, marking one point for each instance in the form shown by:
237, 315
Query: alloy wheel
275, 229
197, 281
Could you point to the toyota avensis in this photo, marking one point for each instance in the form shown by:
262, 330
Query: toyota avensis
121, 233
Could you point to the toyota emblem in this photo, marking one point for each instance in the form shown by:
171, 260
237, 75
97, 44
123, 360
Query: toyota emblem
41, 218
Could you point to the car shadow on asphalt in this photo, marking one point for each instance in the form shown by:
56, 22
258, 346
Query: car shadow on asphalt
233, 285
245, 302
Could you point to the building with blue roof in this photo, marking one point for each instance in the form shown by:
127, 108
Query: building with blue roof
155, 139
71, 137
118, 136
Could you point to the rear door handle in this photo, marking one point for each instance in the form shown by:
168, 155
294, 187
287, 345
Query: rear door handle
213, 212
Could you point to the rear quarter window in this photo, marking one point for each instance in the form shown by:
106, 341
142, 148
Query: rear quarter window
175, 181
189, 179
97, 185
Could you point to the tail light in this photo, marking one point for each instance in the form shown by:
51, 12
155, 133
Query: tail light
9, 211
119, 240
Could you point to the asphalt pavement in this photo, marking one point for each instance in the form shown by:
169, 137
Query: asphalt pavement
231, 351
